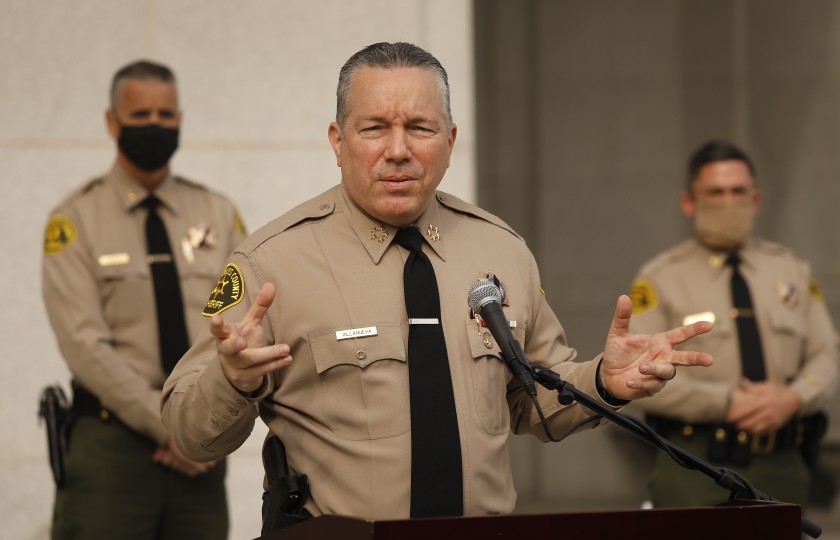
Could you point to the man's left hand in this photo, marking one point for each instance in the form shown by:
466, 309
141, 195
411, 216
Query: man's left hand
639, 365
762, 407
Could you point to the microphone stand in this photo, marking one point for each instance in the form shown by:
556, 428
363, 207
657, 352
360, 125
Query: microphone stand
567, 393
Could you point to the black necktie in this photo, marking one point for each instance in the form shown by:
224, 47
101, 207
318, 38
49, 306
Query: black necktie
172, 329
436, 475
752, 356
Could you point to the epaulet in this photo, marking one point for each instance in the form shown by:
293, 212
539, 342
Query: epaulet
773, 248
90, 184
82, 190
668, 257
190, 183
312, 210
462, 207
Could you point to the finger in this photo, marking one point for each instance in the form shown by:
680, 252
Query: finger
648, 385
663, 370
246, 358
219, 328
675, 336
231, 346
621, 317
265, 364
691, 358
261, 304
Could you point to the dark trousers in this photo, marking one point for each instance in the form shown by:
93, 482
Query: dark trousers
782, 475
114, 490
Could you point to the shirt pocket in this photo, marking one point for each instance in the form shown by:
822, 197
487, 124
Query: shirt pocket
364, 381
490, 377
126, 290
787, 340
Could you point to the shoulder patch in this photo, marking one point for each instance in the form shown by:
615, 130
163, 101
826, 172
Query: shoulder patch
814, 290
228, 292
59, 234
644, 296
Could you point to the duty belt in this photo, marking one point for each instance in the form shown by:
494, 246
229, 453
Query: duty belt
87, 404
728, 444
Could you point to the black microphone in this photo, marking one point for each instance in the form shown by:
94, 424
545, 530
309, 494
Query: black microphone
485, 299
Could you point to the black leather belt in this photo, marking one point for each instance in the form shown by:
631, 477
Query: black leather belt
728, 444
86, 404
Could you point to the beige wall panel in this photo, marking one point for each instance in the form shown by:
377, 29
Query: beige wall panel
257, 85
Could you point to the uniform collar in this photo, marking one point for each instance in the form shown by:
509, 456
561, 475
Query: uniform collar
131, 194
376, 236
717, 258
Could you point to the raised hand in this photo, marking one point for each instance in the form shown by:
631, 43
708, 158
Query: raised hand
243, 350
639, 365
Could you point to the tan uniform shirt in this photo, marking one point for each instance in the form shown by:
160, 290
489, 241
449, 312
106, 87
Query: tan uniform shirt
689, 282
98, 288
342, 407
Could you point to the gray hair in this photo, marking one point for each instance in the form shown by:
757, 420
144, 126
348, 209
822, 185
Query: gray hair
389, 56
140, 71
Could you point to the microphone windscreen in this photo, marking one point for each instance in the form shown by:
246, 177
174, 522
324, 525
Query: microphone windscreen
482, 292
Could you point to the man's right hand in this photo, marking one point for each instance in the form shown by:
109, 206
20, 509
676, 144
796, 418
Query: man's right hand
169, 456
243, 351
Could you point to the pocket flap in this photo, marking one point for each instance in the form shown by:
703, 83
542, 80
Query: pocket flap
328, 351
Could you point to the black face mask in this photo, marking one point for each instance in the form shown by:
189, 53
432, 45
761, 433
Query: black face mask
148, 147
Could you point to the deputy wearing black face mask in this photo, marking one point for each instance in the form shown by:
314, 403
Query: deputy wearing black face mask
148, 147
128, 261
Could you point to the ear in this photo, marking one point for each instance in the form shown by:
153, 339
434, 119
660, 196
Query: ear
756, 201
687, 205
112, 123
453, 133
335, 136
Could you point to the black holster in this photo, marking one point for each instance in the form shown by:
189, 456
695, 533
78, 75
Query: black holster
54, 409
814, 429
287, 493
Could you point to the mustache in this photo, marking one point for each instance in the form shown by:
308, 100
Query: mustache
407, 173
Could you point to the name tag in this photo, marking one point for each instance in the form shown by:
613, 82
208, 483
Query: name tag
113, 259
697, 317
355, 333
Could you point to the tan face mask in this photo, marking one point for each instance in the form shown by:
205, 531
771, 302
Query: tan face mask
723, 226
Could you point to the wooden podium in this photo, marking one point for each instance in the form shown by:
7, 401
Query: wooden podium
729, 521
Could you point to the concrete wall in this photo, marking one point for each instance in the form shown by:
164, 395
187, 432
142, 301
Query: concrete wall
587, 113
257, 85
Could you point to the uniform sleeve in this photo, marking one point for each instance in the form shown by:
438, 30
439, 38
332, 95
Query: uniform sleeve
545, 344
817, 377
72, 299
685, 397
207, 417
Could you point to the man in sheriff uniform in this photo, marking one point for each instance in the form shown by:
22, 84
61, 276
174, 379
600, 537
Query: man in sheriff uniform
774, 345
126, 258
332, 285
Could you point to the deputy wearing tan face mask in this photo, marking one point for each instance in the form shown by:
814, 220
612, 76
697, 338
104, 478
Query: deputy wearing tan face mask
724, 225
757, 409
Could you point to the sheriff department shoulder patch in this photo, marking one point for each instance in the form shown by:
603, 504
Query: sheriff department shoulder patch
228, 292
814, 290
59, 234
644, 296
